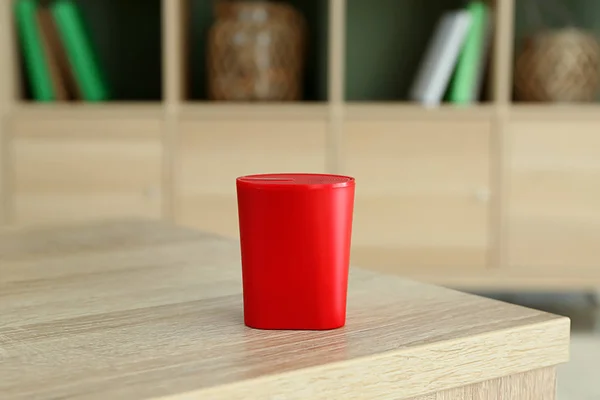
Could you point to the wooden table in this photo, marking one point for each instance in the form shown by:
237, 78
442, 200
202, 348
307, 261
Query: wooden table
139, 310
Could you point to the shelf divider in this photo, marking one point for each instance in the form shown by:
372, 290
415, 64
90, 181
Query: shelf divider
174, 93
337, 50
502, 72
9, 92
9, 88
503, 52
174, 44
336, 78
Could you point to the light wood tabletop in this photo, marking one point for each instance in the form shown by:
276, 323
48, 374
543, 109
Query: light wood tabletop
140, 310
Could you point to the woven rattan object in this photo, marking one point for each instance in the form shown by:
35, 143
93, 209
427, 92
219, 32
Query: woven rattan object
558, 66
256, 52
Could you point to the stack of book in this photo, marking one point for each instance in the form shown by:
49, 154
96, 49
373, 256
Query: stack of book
59, 60
456, 57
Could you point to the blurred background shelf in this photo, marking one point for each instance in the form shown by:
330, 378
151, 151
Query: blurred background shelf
220, 110
577, 55
112, 109
126, 36
385, 43
394, 110
488, 193
542, 112
201, 18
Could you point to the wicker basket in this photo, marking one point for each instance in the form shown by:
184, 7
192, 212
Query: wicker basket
256, 52
558, 66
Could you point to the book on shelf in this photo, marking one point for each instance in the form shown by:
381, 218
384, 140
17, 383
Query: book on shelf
81, 56
438, 63
33, 50
455, 59
59, 58
52, 49
467, 81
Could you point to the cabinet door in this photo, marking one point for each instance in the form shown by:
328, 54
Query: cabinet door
422, 193
554, 195
85, 169
214, 153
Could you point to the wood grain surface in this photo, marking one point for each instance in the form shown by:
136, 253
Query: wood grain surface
138, 310
531, 385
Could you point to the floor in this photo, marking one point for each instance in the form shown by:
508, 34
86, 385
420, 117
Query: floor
580, 378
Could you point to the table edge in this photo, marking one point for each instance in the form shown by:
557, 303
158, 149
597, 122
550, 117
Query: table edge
414, 371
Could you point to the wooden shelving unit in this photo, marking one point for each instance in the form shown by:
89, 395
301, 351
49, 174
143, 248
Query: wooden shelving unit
495, 194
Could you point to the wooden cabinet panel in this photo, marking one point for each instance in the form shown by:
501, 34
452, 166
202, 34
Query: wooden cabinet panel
422, 193
84, 169
3, 170
554, 195
214, 153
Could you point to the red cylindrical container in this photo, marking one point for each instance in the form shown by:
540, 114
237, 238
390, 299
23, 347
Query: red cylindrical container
295, 232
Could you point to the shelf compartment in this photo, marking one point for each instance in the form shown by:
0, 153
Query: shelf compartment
126, 37
316, 12
424, 192
531, 16
85, 168
554, 198
385, 42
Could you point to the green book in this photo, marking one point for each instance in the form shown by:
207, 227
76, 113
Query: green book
32, 47
80, 54
468, 75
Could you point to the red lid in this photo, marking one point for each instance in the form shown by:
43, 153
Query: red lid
305, 181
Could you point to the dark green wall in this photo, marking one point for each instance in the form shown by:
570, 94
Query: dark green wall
529, 14
385, 42
201, 17
127, 36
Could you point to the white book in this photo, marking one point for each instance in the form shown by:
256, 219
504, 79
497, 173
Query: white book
439, 61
